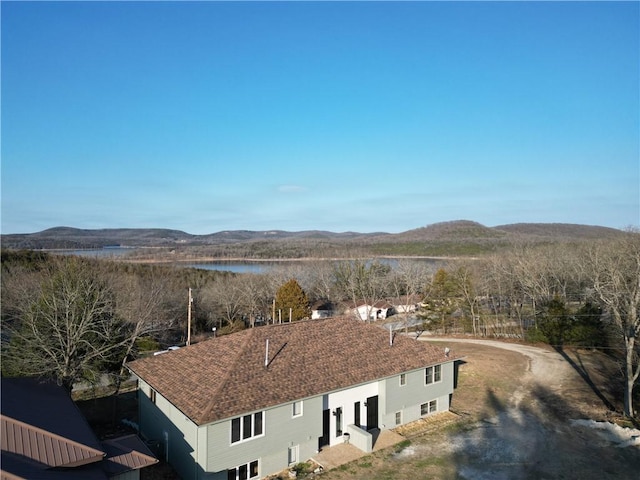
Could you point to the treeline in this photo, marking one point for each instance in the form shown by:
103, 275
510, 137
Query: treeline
585, 294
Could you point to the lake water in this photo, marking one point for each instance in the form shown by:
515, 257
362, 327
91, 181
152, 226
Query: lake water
234, 266
266, 266
237, 267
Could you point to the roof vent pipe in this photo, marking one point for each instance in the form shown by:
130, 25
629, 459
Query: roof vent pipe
390, 336
266, 354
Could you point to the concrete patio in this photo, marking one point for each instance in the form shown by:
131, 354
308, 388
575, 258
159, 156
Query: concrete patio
332, 457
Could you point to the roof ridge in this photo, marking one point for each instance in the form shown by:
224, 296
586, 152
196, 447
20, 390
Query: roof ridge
224, 379
94, 452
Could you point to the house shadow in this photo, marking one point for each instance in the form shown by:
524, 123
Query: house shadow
456, 368
119, 413
375, 434
519, 442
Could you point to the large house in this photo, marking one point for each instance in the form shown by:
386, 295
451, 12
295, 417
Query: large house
249, 404
46, 437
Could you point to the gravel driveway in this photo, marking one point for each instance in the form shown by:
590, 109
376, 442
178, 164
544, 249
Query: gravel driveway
540, 432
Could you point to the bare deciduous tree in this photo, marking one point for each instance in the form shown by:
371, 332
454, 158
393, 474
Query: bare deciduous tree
362, 281
614, 267
68, 329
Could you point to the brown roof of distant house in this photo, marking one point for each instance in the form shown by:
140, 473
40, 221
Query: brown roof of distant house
226, 376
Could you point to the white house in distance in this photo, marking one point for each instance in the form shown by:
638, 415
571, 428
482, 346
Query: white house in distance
373, 310
249, 404
322, 309
406, 303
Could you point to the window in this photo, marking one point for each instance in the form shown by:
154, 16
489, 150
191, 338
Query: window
293, 455
243, 472
398, 418
429, 407
245, 427
403, 379
356, 414
297, 409
433, 374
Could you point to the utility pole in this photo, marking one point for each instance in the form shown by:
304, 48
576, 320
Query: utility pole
189, 318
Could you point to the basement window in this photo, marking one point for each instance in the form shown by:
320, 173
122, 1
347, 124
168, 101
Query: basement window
429, 407
247, 471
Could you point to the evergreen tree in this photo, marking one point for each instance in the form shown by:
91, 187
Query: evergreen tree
291, 302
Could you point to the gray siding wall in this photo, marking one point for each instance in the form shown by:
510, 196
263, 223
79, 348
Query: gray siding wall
281, 431
175, 433
408, 398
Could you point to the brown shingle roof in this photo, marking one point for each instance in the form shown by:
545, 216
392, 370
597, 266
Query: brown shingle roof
225, 376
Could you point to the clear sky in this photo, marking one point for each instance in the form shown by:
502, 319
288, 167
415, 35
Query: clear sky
364, 116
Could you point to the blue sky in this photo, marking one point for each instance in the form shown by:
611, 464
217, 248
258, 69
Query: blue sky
364, 116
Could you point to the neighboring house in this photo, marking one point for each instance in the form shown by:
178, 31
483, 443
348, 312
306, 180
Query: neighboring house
249, 404
46, 437
373, 311
322, 309
406, 303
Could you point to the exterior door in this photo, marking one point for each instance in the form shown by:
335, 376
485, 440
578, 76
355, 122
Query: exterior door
326, 424
372, 412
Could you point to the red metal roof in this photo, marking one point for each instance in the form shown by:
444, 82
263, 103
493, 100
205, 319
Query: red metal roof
45, 447
44, 435
127, 453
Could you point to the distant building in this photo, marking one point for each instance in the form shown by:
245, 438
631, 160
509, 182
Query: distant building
406, 303
323, 309
373, 310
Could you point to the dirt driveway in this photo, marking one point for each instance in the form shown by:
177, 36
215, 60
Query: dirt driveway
525, 413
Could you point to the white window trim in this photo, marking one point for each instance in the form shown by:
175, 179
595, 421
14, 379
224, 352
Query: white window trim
293, 409
253, 427
248, 465
433, 374
427, 404
296, 449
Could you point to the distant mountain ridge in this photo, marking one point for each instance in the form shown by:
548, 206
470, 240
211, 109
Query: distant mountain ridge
454, 231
